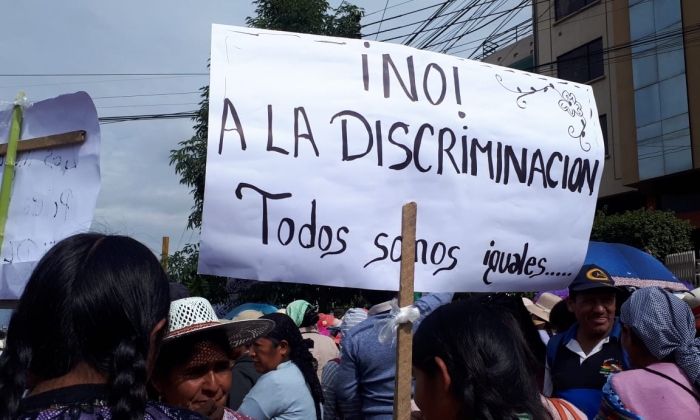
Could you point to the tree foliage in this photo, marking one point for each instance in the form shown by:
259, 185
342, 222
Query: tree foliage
190, 161
659, 232
304, 16
308, 17
182, 267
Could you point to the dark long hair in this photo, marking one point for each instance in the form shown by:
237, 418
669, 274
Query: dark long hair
92, 299
299, 354
486, 356
515, 306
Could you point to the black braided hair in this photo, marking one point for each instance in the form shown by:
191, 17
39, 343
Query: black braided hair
127, 375
92, 299
299, 354
13, 376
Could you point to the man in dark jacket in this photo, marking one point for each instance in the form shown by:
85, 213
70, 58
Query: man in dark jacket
580, 360
243, 377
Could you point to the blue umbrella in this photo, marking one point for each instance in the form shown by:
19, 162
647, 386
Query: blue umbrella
261, 307
631, 267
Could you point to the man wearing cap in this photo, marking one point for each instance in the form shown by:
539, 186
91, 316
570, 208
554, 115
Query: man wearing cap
580, 360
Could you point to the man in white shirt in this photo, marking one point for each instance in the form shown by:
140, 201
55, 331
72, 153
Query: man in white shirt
580, 360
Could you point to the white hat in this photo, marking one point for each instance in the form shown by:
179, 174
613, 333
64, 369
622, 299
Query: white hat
544, 305
248, 314
193, 315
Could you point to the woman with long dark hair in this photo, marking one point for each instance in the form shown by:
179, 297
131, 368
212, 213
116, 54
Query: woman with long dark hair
289, 388
84, 336
471, 361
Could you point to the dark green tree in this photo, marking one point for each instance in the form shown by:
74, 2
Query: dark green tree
308, 17
659, 232
182, 267
304, 16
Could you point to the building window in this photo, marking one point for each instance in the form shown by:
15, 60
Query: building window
660, 88
582, 64
604, 128
563, 8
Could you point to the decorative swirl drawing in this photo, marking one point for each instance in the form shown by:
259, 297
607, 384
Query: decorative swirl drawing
567, 103
585, 146
570, 104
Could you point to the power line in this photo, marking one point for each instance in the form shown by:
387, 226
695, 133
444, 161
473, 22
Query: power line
476, 29
374, 13
434, 41
494, 32
381, 21
649, 39
402, 26
465, 29
453, 12
514, 35
147, 105
480, 10
100, 74
516, 40
462, 9
401, 15
145, 95
148, 117
423, 21
440, 27
561, 22
487, 37
498, 16
90, 81
426, 23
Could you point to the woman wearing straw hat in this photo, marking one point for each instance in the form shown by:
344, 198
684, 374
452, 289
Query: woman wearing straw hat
193, 369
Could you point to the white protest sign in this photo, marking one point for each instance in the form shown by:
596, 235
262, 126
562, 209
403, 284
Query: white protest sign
54, 191
315, 143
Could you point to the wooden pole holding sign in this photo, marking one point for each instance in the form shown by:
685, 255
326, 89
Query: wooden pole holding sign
58, 140
165, 252
404, 333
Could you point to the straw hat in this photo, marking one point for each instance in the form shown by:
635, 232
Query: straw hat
248, 314
195, 315
544, 305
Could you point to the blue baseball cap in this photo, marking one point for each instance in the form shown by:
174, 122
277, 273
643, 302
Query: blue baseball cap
592, 277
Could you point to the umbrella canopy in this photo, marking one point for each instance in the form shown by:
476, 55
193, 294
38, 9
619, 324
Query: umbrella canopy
631, 267
261, 307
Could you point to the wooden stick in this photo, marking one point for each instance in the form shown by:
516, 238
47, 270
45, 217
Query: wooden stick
58, 140
404, 339
9, 169
165, 252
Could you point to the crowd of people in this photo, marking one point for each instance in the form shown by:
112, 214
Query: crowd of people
101, 333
